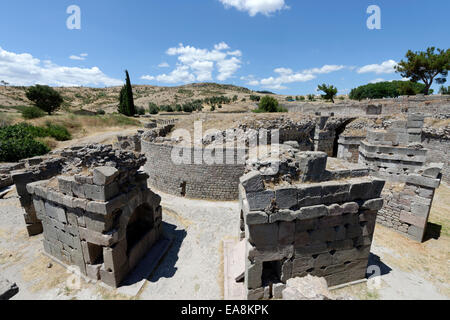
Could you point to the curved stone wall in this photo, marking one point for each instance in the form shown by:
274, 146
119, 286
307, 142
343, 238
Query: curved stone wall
198, 179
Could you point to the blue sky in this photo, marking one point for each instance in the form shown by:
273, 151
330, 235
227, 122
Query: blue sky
286, 46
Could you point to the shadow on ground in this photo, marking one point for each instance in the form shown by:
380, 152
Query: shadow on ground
166, 268
375, 261
433, 231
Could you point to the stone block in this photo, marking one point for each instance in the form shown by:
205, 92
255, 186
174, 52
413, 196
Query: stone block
252, 182
420, 209
260, 200
277, 289
373, 204
104, 175
350, 207
312, 212
323, 235
423, 181
101, 192
416, 233
360, 191
286, 198
282, 215
65, 184
55, 212
413, 219
263, 235
286, 233
306, 225
301, 265
433, 170
256, 217
253, 274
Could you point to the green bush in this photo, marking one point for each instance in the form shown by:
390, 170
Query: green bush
153, 108
140, 111
101, 112
255, 98
17, 142
311, 97
32, 113
213, 108
269, 104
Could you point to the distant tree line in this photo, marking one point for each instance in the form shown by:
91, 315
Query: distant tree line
387, 89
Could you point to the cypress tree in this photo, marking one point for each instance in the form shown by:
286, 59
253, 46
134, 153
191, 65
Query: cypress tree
126, 101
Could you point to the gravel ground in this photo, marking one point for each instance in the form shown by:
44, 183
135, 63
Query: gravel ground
193, 266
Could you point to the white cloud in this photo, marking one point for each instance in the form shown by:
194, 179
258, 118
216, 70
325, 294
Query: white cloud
23, 70
385, 67
377, 80
163, 65
180, 74
147, 77
81, 57
286, 75
196, 64
253, 7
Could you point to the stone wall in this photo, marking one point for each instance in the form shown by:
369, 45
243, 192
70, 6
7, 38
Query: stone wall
433, 106
36, 169
407, 206
191, 179
398, 156
438, 144
103, 221
317, 225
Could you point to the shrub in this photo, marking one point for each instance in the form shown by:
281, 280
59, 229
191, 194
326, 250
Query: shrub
311, 97
255, 98
60, 133
269, 104
153, 108
235, 98
213, 108
141, 111
101, 112
45, 98
32, 113
187, 107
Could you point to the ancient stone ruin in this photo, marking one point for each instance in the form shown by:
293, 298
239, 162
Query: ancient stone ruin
301, 215
103, 219
397, 155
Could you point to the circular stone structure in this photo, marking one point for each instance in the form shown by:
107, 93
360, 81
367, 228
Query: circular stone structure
194, 178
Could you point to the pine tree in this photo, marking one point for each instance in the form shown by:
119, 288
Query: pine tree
126, 101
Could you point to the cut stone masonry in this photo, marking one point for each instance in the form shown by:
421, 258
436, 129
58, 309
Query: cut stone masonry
320, 223
397, 155
103, 221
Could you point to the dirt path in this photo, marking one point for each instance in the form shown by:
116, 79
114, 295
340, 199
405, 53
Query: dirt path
99, 137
